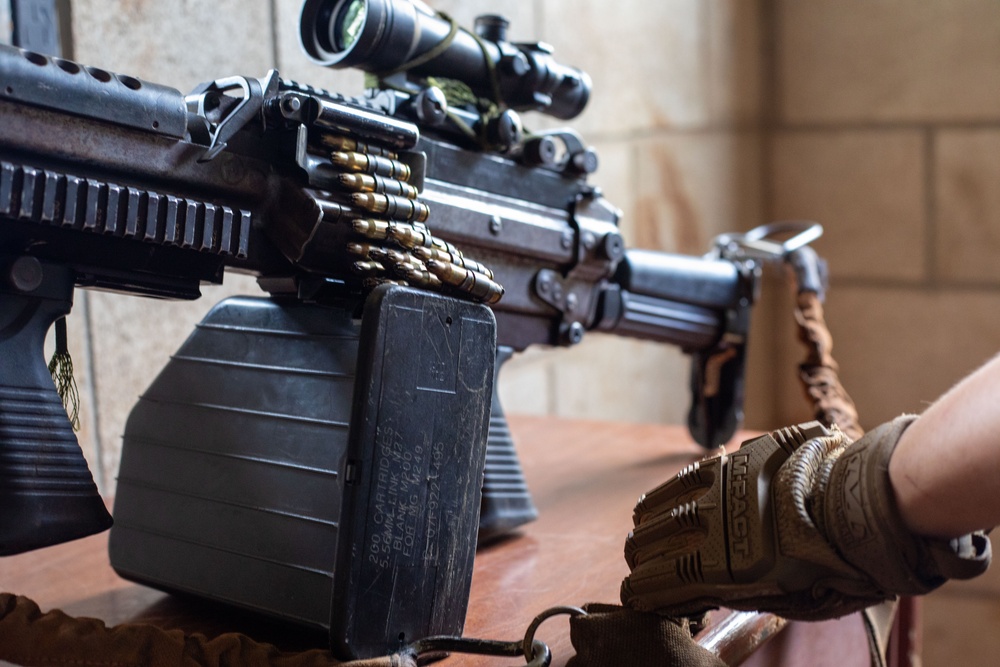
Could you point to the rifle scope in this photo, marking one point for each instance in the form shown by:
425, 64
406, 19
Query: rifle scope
387, 36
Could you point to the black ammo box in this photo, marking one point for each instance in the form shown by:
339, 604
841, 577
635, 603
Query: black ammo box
293, 461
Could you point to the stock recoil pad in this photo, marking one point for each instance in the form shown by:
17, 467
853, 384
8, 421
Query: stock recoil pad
292, 462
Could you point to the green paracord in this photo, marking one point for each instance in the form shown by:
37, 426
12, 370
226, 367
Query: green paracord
456, 92
61, 369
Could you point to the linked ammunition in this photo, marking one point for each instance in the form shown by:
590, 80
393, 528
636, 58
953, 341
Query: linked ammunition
332, 211
423, 278
472, 283
407, 236
410, 237
394, 260
371, 164
368, 267
379, 184
362, 249
373, 229
406, 268
453, 258
398, 257
398, 208
348, 145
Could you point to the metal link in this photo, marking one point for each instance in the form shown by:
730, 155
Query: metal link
529, 635
540, 655
535, 652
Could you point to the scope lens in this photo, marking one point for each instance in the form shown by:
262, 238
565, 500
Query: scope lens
348, 23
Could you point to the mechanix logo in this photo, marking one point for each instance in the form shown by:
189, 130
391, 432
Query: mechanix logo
739, 535
856, 527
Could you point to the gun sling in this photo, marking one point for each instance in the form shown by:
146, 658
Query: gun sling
32, 638
605, 635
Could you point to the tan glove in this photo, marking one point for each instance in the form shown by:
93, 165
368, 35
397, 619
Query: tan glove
800, 522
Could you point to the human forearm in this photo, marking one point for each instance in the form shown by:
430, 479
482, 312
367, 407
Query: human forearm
945, 471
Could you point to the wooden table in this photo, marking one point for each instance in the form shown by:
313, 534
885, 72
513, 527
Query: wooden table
585, 477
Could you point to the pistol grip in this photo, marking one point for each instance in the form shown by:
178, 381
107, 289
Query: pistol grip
47, 494
506, 501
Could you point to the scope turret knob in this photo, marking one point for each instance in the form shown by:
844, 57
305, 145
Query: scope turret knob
431, 106
492, 27
515, 64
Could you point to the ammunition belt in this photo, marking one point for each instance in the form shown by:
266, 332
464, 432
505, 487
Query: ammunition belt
393, 244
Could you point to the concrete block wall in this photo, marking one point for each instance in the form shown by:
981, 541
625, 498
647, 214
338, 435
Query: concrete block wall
674, 116
884, 123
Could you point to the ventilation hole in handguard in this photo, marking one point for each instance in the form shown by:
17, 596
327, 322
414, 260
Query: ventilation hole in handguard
36, 58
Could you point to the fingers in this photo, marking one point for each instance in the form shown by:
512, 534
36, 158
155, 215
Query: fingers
675, 584
678, 544
691, 482
674, 518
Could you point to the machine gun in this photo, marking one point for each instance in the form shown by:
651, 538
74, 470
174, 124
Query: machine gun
318, 454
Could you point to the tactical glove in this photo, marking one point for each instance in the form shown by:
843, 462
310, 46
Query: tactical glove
800, 522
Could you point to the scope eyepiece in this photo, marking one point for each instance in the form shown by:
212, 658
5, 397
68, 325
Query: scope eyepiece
382, 36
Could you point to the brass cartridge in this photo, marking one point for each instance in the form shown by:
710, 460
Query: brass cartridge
470, 282
379, 184
410, 237
362, 249
371, 164
373, 229
346, 144
398, 208
367, 268
423, 278
452, 258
